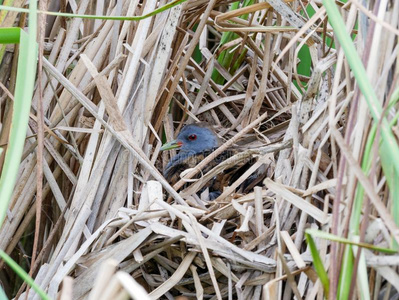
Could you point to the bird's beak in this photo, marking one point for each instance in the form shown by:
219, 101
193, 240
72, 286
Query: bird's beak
171, 145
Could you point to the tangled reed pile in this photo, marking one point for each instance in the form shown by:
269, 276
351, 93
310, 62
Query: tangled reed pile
265, 75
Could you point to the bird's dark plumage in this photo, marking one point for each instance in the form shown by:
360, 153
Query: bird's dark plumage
197, 141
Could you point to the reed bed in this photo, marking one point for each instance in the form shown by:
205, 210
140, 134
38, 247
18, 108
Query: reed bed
91, 216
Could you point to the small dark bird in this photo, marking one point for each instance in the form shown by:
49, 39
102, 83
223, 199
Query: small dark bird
197, 141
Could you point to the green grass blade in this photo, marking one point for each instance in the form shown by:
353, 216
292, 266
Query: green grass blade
338, 24
345, 277
318, 264
388, 149
366, 166
387, 165
332, 237
115, 18
26, 72
362, 274
225, 58
9, 35
348, 260
23, 275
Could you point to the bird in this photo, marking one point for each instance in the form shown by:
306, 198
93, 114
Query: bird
195, 142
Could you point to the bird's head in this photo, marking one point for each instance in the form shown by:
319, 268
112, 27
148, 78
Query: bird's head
194, 138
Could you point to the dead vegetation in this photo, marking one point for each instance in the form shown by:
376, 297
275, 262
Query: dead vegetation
113, 91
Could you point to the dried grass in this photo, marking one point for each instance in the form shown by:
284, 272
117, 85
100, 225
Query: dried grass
113, 91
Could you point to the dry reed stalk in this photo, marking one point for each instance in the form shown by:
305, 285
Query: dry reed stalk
114, 91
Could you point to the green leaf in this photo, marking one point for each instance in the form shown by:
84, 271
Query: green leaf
26, 72
226, 57
317, 262
115, 18
13, 265
332, 237
353, 58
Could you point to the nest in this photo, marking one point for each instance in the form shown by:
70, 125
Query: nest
111, 227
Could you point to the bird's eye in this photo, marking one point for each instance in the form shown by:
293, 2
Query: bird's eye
192, 137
